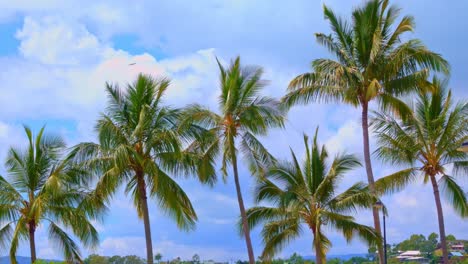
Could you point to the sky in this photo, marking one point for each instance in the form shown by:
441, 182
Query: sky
56, 56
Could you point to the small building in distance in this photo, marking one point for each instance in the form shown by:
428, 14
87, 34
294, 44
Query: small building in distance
412, 256
457, 246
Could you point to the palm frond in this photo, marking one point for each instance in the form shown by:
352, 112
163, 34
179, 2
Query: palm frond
455, 195
64, 242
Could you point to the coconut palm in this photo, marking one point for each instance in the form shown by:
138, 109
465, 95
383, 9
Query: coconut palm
428, 141
42, 189
304, 194
244, 114
372, 64
141, 146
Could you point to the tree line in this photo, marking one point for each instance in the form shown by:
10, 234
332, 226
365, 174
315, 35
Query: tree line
144, 145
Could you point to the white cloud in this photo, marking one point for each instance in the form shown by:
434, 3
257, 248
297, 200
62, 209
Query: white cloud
64, 69
51, 40
63, 66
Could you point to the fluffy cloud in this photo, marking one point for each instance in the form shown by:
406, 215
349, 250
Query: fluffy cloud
64, 67
52, 41
67, 53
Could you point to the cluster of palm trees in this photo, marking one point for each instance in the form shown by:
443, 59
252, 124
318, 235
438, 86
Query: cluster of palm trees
144, 144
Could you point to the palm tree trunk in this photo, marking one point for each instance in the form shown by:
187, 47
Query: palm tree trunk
318, 253
318, 256
370, 174
32, 240
245, 225
440, 216
144, 207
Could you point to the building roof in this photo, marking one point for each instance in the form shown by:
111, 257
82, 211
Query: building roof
411, 253
456, 254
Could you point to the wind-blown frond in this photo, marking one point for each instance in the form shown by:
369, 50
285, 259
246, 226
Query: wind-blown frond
64, 242
455, 195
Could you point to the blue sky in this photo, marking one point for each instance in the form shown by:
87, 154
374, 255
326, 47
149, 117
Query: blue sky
56, 57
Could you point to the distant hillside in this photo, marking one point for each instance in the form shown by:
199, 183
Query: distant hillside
21, 260
341, 257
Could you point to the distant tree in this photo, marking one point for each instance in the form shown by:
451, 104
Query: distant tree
195, 259
96, 259
433, 236
334, 261
296, 259
116, 260
450, 238
372, 252
158, 257
356, 260
133, 259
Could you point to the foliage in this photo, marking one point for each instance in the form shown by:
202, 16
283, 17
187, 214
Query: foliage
427, 140
42, 261
45, 188
304, 192
141, 147
373, 61
419, 242
158, 257
244, 114
131, 259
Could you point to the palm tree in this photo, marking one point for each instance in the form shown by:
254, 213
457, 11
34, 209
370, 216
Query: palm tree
428, 140
243, 115
43, 189
372, 63
141, 145
304, 193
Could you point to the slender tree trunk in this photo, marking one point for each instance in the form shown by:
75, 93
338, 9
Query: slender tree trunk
318, 256
319, 259
440, 216
245, 225
370, 174
32, 240
144, 206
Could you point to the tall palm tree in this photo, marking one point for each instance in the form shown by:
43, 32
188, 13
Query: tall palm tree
428, 141
42, 188
244, 114
141, 146
304, 193
372, 64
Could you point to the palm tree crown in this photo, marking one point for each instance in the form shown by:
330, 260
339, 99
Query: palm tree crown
45, 188
141, 146
372, 63
305, 193
244, 114
428, 141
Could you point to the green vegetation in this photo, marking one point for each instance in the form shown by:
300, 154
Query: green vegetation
143, 145
44, 187
427, 140
244, 115
372, 64
96, 259
305, 193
